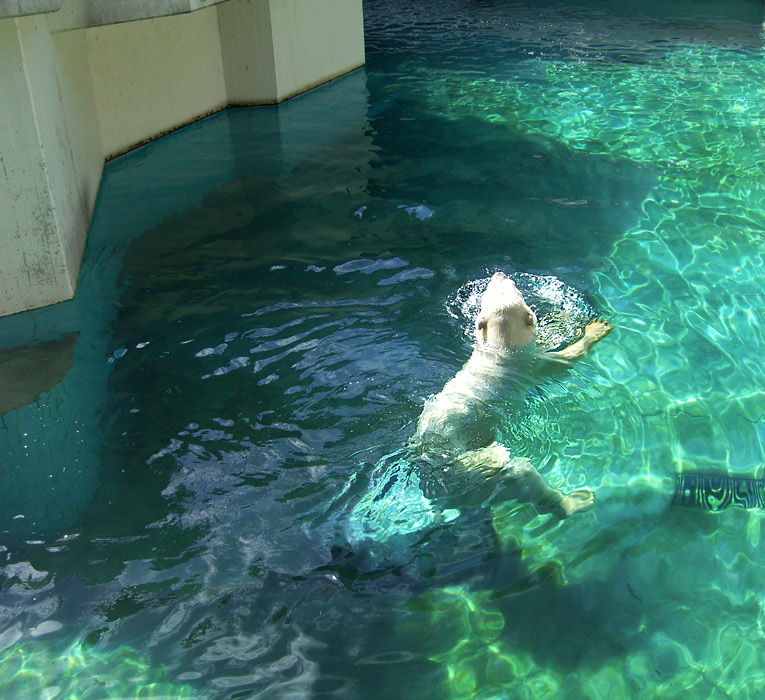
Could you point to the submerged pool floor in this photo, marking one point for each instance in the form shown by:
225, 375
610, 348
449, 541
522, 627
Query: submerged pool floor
269, 296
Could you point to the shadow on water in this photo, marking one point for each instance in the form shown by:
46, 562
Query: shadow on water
209, 262
31, 370
510, 614
475, 183
263, 336
617, 610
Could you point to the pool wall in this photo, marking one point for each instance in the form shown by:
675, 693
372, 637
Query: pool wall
83, 81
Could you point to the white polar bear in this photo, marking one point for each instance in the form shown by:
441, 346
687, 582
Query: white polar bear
457, 422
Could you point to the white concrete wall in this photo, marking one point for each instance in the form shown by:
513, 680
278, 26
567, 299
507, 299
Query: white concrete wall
81, 14
153, 76
44, 215
247, 49
80, 117
315, 41
275, 49
73, 92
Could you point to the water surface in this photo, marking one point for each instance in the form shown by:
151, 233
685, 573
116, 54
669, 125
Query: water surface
269, 296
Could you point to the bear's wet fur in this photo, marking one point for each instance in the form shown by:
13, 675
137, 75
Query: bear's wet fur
456, 424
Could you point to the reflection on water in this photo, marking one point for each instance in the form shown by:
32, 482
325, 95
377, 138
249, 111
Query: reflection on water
30, 370
270, 295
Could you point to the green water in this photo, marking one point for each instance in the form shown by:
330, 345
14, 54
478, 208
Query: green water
269, 296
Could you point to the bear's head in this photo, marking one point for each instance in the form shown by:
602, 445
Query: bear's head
505, 320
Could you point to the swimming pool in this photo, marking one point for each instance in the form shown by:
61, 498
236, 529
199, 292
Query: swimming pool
267, 299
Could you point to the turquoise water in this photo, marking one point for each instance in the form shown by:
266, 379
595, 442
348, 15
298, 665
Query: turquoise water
269, 296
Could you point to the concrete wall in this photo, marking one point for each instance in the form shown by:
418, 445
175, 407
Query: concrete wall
76, 89
80, 113
44, 211
311, 45
247, 48
288, 47
151, 77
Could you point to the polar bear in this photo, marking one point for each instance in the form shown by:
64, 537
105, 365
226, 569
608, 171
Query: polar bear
456, 424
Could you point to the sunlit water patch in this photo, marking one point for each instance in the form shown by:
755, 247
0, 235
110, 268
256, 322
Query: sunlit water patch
270, 296
81, 671
685, 283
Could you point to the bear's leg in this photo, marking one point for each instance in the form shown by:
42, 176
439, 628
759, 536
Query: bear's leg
527, 484
522, 482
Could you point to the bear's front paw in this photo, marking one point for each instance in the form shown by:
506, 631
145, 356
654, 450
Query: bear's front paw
597, 330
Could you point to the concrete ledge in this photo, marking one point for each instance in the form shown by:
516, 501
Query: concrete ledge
80, 14
101, 13
21, 8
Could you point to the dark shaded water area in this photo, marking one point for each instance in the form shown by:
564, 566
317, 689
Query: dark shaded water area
270, 295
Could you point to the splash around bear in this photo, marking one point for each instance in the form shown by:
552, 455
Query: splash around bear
457, 424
